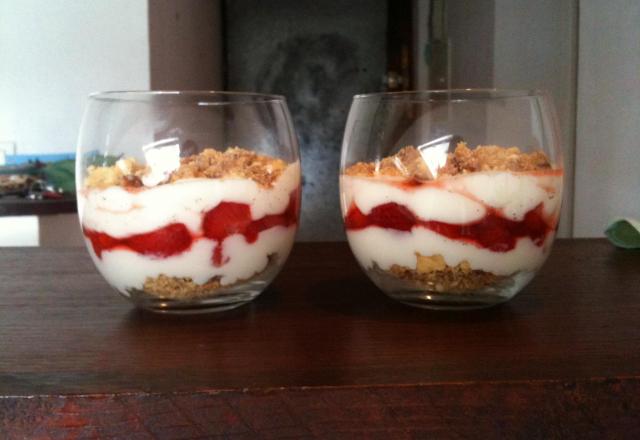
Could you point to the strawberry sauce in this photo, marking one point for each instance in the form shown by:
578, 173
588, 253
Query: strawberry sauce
493, 231
230, 218
163, 242
225, 219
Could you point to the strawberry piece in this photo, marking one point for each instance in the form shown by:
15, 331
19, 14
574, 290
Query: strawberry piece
389, 215
100, 241
226, 219
493, 232
229, 218
534, 225
164, 242
393, 216
355, 219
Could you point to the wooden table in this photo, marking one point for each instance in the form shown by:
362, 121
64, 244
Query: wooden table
14, 205
322, 354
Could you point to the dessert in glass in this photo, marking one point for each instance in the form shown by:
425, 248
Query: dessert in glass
451, 199
188, 201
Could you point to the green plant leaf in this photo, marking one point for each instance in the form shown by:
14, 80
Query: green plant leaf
624, 233
61, 174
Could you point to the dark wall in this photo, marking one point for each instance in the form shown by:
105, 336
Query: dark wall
318, 54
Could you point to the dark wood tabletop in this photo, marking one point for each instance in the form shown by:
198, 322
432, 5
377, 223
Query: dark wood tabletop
15, 205
322, 354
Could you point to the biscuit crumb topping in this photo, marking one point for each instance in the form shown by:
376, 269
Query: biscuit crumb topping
409, 162
125, 172
235, 162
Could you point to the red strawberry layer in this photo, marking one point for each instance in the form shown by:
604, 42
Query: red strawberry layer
230, 218
493, 231
226, 219
164, 242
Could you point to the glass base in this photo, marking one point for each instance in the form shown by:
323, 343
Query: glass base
417, 294
217, 303
444, 301
219, 300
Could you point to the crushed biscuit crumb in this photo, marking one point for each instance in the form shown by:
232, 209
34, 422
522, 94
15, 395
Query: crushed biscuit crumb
493, 158
414, 164
433, 263
125, 172
404, 163
179, 288
434, 274
168, 287
409, 163
235, 162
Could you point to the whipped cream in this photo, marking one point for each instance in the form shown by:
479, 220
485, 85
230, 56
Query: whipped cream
456, 200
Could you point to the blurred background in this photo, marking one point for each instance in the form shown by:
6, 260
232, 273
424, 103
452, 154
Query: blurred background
318, 54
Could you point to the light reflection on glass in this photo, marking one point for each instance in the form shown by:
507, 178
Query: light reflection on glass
162, 157
434, 153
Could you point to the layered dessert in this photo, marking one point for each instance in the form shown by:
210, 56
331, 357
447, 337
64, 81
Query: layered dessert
464, 222
213, 221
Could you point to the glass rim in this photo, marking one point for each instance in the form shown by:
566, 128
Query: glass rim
229, 96
461, 94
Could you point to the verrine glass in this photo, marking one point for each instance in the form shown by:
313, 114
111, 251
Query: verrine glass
451, 199
188, 201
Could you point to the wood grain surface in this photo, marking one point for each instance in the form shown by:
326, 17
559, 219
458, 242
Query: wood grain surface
14, 205
321, 354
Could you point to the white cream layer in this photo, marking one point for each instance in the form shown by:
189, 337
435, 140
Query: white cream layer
121, 213
459, 199
387, 247
126, 269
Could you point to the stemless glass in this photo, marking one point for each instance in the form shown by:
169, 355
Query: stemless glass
451, 198
188, 201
